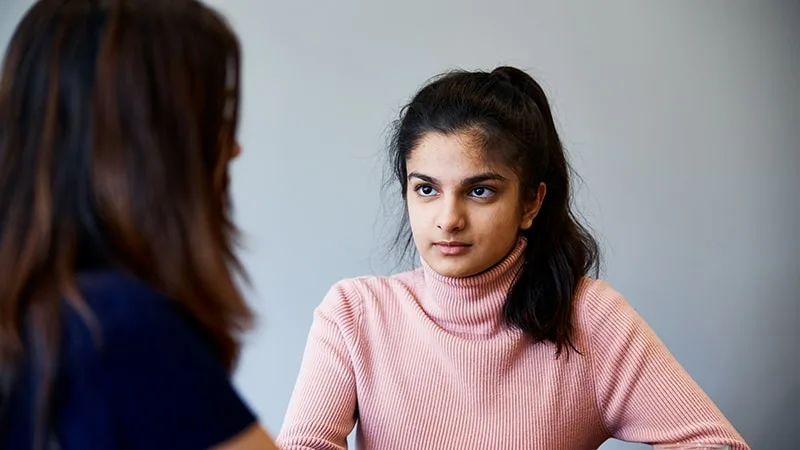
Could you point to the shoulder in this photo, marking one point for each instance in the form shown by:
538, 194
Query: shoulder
604, 314
596, 299
600, 305
122, 303
348, 298
358, 292
121, 312
152, 363
119, 297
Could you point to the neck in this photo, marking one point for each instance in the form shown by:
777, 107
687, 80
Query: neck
472, 306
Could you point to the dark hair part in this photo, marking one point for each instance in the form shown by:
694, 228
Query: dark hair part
506, 111
117, 123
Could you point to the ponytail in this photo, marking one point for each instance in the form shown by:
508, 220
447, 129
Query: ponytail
560, 251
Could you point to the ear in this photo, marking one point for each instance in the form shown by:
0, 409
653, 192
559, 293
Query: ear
237, 150
532, 207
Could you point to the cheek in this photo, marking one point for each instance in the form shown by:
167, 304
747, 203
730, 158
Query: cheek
502, 219
415, 213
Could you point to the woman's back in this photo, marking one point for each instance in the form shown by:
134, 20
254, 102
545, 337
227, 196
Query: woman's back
138, 375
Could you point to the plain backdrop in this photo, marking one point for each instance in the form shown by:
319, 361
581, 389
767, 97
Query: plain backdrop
682, 118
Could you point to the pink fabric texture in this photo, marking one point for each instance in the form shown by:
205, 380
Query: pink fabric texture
422, 361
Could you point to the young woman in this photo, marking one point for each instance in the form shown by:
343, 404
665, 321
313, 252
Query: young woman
119, 312
500, 340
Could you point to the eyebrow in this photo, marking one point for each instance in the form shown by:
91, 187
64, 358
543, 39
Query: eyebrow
480, 178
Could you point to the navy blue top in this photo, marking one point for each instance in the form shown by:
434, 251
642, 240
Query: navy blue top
151, 382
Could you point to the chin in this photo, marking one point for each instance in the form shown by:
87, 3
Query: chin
453, 269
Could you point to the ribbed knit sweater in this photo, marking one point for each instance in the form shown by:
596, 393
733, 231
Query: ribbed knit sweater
423, 361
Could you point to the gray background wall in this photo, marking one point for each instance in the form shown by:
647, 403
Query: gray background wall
681, 116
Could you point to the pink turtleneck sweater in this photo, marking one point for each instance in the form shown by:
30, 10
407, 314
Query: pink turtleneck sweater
421, 361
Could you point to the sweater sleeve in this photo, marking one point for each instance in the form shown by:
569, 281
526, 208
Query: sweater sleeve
643, 392
322, 410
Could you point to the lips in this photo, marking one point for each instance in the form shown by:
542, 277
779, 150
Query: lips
451, 244
451, 248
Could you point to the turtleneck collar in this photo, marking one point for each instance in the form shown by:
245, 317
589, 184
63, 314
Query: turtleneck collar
471, 306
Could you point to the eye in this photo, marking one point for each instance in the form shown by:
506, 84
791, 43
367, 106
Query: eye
425, 190
482, 192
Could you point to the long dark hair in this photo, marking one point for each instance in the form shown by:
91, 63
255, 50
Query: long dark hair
511, 112
117, 123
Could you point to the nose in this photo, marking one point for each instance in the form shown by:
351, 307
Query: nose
451, 217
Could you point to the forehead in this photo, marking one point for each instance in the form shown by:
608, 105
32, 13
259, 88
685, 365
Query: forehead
451, 157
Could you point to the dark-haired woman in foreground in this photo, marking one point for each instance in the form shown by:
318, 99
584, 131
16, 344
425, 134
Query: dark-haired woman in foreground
500, 340
119, 313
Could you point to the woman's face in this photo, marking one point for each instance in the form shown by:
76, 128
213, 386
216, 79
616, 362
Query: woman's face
465, 212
